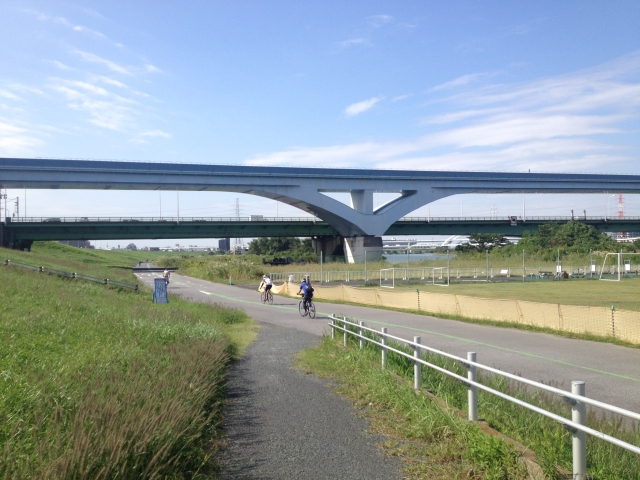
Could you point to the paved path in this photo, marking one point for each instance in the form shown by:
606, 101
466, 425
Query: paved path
611, 373
282, 423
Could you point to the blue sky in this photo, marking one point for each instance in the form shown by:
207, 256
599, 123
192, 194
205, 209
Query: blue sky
460, 85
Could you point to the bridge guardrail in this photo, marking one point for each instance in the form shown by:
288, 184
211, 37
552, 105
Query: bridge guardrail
157, 219
66, 274
577, 425
307, 219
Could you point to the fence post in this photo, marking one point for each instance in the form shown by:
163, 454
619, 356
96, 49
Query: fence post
383, 330
579, 415
344, 326
361, 334
333, 330
472, 390
613, 321
417, 366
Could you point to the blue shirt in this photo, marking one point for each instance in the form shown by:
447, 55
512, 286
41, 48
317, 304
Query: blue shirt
303, 287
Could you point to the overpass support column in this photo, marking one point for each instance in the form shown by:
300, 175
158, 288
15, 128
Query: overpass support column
355, 248
330, 247
362, 201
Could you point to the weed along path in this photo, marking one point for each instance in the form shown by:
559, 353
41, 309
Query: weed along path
611, 372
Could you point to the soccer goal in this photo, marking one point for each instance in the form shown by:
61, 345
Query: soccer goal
439, 276
622, 266
388, 277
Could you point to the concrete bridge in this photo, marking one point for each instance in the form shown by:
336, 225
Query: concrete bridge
305, 188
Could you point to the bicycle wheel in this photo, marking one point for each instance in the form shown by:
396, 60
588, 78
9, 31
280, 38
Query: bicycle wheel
312, 310
270, 297
301, 308
263, 297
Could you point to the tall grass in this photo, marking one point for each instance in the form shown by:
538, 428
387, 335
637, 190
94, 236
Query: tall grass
102, 383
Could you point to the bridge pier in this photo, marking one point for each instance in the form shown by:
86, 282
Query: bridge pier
352, 249
359, 249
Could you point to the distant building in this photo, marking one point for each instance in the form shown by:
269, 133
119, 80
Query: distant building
224, 244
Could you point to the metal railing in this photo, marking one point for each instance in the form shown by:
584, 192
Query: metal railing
576, 398
306, 219
159, 219
64, 273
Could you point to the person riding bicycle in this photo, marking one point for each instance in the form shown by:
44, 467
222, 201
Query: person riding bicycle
306, 290
166, 275
266, 284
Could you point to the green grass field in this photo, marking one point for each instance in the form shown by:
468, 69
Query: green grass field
623, 295
98, 382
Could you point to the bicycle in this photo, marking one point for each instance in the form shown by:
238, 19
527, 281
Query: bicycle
310, 306
267, 297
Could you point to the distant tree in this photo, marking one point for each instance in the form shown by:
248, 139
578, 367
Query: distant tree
480, 242
282, 246
131, 246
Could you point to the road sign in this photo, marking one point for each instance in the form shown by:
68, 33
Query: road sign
160, 290
514, 220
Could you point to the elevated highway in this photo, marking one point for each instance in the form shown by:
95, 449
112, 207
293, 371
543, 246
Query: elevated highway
21, 232
360, 224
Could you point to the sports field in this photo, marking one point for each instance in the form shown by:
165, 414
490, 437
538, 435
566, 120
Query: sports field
623, 295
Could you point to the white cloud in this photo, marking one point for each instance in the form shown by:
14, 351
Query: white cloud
8, 95
360, 107
16, 140
155, 133
460, 81
379, 20
106, 109
353, 41
116, 67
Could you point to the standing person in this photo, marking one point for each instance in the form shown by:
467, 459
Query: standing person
266, 283
166, 275
306, 290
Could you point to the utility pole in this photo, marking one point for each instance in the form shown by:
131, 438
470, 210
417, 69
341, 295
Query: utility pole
237, 244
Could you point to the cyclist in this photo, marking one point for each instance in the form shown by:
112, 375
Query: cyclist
267, 284
166, 275
306, 290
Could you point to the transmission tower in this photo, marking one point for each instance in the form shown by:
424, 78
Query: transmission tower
620, 206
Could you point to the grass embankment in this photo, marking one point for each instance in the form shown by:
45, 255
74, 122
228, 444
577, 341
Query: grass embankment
102, 383
435, 442
218, 268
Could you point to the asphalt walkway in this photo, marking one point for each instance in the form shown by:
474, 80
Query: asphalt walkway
284, 424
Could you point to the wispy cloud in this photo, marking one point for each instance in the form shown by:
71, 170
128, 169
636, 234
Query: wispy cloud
457, 82
379, 20
116, 67
142, 137
8, 95
360, 107
106, 109
572, 122
353, 41
15, 140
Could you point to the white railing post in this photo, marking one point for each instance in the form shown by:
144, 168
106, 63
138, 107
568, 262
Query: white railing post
333, 329
361, 334
417, 366
383, 330
579, 415
472, 390
344, 325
